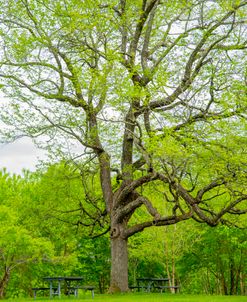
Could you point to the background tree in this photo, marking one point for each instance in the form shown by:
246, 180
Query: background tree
17, 247
40, 236
218, 259
152, 90
61, 191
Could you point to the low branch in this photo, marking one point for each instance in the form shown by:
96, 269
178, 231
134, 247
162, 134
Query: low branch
162, 221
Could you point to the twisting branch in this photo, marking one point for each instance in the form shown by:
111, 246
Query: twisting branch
212, 185
133, 205
162, 221
135, 184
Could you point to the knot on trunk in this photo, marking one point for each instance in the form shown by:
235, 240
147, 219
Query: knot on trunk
115, 232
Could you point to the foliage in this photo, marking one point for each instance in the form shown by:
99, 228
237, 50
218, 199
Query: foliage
146, 255
196, 256
18, 247
218, 260
36, 241
154, 91
94, 259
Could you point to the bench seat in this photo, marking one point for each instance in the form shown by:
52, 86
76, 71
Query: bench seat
140, 287
70, 290
88, 287
176, 287
35, 289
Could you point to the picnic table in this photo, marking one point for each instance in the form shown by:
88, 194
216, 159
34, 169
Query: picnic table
70, 285
152, 284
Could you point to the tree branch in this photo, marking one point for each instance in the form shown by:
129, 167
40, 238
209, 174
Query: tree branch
162, 221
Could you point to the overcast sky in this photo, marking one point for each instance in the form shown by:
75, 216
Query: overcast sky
22, 154
19, 155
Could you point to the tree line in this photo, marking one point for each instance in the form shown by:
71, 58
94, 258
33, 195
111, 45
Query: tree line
41, 235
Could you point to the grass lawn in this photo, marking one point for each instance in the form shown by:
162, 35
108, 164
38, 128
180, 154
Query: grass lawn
134, 297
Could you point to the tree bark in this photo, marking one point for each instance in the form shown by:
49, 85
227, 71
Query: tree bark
3, 283
173, 261
119, 265
243, 289
232, 276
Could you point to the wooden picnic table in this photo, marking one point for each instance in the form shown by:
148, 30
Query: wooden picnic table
71, 285
150, 283
153, 284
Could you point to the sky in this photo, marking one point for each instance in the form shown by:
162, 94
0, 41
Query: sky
19, 155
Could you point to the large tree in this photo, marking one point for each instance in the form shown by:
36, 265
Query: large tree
152, 90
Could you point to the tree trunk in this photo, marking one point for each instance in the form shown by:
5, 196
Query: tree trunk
119, 265
223, 284
232, 276
173, 260
3, 283
243, 289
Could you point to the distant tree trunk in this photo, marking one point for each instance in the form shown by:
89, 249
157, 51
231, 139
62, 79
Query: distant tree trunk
219, 286
207, 283
119, 265
4, 282
242, 284
221, 275
173, 263
232, 276
166, 249
134, 269
168, 271
223, 284
101, 284
239, 279
236, 287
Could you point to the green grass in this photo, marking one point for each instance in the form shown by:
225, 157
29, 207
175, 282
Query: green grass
136, 297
